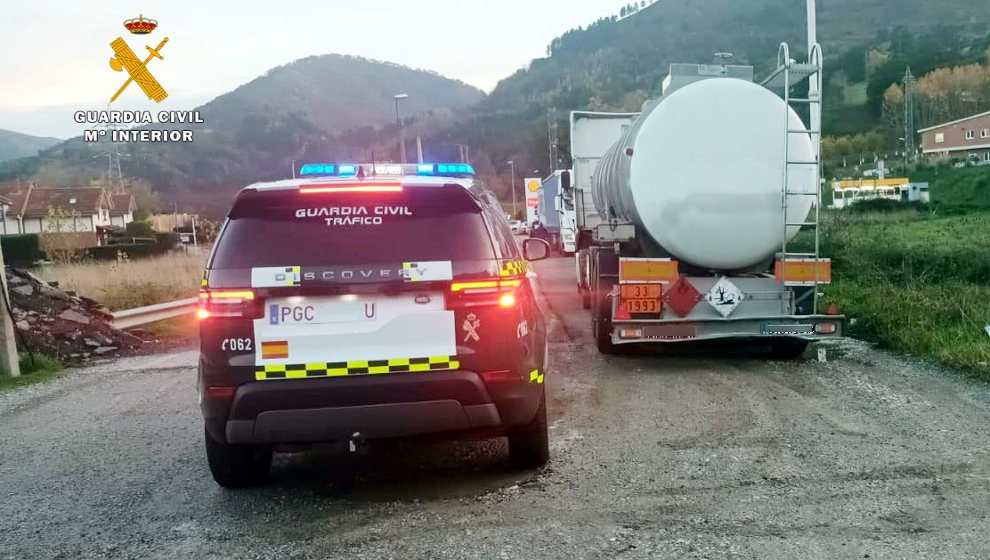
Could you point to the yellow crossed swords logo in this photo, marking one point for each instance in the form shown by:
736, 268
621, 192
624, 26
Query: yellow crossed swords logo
138, 71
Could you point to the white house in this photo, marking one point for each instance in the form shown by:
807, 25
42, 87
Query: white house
123, 209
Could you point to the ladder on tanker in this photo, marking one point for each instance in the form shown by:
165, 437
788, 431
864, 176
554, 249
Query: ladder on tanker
788, 75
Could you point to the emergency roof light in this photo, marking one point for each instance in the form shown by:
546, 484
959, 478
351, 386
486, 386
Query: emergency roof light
390, 169
445, 169
317, 169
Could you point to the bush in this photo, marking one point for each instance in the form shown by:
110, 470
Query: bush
21, 250
883, 205
166, 240
132, 251
139, 229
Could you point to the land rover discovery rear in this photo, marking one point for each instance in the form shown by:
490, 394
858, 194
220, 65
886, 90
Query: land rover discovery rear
366, 306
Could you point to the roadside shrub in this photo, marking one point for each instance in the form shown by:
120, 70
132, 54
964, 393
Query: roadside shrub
879, 205
133, 251
21, 250
139, 229
166, 240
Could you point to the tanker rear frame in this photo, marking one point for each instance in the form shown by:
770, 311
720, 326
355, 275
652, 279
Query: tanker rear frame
779, 309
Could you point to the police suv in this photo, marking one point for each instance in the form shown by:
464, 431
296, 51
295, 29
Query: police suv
368, 301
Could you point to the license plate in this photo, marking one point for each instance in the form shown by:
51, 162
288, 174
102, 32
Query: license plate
641, 291
642, 305
320, 312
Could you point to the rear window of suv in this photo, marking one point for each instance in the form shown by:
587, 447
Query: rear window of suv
272, 228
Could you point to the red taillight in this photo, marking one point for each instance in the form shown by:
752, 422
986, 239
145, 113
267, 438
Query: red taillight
351, 188
501, 292
501, 376
226, 303
220, 392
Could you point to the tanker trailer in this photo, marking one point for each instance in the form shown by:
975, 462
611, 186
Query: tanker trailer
692, 209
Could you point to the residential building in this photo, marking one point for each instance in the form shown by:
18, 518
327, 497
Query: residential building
123, 209
84, 214
967, 138
17, 194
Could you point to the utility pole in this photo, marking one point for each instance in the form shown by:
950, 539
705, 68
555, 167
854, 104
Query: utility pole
908, 117
402, 129
9, 363
512, 187
552, 138
419, 149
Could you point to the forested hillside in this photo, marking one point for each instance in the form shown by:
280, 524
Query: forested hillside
341, 108
255, 131
15, 145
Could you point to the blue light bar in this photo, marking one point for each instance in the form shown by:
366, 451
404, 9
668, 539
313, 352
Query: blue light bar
347, 170
317, 169
445, 169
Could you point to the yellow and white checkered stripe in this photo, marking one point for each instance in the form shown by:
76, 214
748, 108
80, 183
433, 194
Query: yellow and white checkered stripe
514, 268
536, 377
362, 367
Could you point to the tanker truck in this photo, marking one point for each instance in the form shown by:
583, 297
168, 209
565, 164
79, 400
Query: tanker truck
686, 211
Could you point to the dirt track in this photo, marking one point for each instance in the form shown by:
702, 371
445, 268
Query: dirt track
684, 456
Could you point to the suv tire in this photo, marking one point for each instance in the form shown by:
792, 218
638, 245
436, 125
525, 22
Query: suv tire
237, 466
529, 445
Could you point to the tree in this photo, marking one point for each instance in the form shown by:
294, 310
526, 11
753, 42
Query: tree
843, 148
893, 111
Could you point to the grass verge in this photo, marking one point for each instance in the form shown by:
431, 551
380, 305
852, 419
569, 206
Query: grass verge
39, 370
131, 283
915, 283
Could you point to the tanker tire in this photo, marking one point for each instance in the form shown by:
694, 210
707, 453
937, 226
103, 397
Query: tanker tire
237, 466
602, 324
788, 348
529, 445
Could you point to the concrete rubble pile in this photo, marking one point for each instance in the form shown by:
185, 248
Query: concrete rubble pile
61, 324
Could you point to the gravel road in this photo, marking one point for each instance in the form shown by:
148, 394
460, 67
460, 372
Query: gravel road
703, 454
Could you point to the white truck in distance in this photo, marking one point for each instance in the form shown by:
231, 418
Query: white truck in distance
685, 211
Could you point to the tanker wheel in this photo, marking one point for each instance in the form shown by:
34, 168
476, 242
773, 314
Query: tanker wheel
788, 348
581, 270
602, 318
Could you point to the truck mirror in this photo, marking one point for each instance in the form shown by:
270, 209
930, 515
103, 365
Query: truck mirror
565, 179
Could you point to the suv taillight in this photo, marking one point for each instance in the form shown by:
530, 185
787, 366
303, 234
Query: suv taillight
501, 292
227, 303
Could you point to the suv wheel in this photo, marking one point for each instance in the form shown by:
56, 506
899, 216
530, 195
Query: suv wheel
529, 445
237, 466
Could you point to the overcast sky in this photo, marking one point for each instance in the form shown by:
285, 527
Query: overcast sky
56, 54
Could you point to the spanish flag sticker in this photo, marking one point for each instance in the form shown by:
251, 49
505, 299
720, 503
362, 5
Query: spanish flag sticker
276, 350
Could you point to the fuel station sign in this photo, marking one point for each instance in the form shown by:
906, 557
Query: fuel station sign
532, 198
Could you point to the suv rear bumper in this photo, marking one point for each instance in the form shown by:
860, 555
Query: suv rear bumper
375, 421
379, 407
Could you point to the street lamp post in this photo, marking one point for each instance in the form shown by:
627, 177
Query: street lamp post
512, 187
402, 131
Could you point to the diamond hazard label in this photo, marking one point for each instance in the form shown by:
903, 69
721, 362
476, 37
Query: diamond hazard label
725, 297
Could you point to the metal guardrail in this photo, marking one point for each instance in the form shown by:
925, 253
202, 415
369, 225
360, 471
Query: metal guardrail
143, 315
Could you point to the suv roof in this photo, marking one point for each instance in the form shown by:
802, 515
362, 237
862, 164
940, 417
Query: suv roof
406, 180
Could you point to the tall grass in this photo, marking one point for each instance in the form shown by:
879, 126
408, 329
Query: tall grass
914, 282
125, 284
